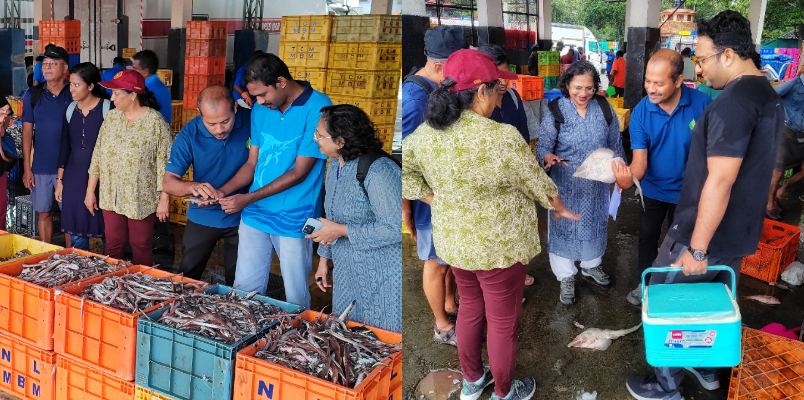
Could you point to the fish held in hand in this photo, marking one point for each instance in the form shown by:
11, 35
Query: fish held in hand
599, 339
769, 300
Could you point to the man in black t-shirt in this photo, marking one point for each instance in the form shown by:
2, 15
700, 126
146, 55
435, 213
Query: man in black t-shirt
721, 211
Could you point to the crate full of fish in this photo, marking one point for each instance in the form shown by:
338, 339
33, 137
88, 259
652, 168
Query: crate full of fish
16, 247
96, 319
27, 371
28, 288
78, 381
330, 358
187, 350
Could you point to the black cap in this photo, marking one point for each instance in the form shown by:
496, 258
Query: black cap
441, 41
58, 53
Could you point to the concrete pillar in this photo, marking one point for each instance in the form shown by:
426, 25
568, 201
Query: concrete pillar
490, 28
413, 7
245, 44
545, 28
413, 28
12, 62
41, 12
382, 6
642, 13
642, 27
132, 12
756, 15
181, 11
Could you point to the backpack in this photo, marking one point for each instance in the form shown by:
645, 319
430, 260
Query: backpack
513, 97
419, 80
36, 94
71, 108
559, 117
364, 163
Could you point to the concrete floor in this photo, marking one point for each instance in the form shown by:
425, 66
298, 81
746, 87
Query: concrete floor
546, 326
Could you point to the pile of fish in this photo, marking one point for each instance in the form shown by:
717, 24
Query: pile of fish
136, 292
327, 349
20, 254
59, 269
226, 318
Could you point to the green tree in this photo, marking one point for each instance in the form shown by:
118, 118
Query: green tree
567, 12
782, 16
606, 20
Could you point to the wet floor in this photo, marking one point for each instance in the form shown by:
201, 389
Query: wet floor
546, 326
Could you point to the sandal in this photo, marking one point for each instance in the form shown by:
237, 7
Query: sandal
529, 280
447, 337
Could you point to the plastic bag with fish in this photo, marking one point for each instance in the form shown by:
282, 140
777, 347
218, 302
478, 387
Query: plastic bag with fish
597, 167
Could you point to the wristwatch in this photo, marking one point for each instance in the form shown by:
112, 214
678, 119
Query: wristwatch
698, 255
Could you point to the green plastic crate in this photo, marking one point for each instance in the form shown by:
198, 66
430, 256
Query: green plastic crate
548, 57
550, 82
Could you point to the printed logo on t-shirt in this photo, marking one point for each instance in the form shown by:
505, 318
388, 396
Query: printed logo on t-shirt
692, 124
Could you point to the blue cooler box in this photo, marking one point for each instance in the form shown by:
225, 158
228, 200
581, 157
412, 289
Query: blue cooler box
691, 324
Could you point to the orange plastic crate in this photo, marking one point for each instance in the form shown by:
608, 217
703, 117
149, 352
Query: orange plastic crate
102, 336
78, 381
58, 41
528, 87
205, 65
255, 378
777, 249
206, 30
27, 310
772, 368
197, 83
190, 99
27, 371
206, 48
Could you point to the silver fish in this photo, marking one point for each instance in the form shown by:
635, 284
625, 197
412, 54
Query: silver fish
599, 339
770, 300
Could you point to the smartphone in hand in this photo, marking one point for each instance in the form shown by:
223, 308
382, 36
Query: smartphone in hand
312, 225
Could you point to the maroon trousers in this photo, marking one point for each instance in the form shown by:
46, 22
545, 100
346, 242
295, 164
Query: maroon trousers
494, 298
139, 232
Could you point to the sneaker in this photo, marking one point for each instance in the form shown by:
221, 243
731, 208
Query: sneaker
597, 274
520, 390
567, 295
473, 390
635, 296
649, 389
708, 380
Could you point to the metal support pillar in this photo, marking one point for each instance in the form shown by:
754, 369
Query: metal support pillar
181, 12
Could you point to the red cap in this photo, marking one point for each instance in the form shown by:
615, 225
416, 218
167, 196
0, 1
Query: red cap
127, 79
469, 68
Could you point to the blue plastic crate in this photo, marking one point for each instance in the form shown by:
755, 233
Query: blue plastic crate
185, 366
552, 94
766, 51
75, 59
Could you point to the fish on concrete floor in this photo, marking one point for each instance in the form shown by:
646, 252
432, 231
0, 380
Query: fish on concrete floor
599, 339
770, 300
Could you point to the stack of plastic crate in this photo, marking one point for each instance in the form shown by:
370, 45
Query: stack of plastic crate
304, 47
205, 62
549, 68
65, 34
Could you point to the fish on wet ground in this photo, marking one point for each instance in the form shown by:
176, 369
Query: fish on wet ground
136, 292
327, 349
58, 269
599, 339
227, 318
770, 300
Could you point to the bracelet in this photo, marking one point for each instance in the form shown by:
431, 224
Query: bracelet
59, 179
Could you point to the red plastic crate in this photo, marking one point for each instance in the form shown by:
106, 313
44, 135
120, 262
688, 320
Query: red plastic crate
205, 65
206, 30
58, 41
79, 381
206, 48
777, 249
27, 371
772, 367
197, 83
528, 87
254, 377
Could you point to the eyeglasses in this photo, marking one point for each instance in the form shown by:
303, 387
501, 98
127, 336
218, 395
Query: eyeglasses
48, 65
317, 137
701, 60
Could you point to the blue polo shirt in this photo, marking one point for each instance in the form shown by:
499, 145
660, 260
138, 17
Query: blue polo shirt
47, 117
667, 139
38, 75
154, 84
109, 75
414, 102
239, 81
214, 161
609, 62
281, 137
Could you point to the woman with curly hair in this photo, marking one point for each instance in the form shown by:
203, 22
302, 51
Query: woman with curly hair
362, 231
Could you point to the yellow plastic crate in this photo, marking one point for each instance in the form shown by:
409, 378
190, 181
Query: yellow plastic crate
13, 244
368, 84
166, 76
316, 76
306, 28
366, 56
141, 393
624, 116
175, 120
616, 102
385, 133
304, 54
178, 210
381, 111
367, 28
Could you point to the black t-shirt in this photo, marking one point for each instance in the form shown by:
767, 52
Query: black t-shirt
745, 121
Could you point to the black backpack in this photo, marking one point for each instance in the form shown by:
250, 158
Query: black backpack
552, 105
36, 94
419, 80
364, 163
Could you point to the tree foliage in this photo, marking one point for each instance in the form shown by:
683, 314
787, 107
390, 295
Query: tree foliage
781, 17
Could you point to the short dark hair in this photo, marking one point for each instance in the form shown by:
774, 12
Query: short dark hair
496, 52
581, 67
147, 59
216, 94
673, 59
146, 99
620, 53
266, 68
729, 29
257, 52
354, 126
90, 74
119, 61
686, 52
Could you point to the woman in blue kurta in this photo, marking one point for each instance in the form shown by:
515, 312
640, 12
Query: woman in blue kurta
77, 144
362, 231
584, 130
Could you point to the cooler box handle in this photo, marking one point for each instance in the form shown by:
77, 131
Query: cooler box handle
679, 269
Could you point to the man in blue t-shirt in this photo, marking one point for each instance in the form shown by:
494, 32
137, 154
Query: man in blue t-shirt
215, 143
38, 75
47, 116
609, 63
438, 283
286, 171
239, 90
661, 130
146, 63
119, 65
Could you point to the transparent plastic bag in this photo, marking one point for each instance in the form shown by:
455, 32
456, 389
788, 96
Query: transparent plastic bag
597, 167
794, 273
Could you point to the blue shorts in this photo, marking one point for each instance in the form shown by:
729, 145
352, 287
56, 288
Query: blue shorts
425, 246
43, 193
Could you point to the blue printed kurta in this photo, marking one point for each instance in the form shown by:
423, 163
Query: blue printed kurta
585, 239
367, 263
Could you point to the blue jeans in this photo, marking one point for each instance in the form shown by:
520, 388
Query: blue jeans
255, 253
81, 242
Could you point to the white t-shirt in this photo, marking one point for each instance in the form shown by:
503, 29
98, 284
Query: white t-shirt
689, 70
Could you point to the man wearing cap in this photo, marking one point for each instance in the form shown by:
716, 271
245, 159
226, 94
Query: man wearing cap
146, 63
50, 99
120, 64
215, 144
438, 283
38, 76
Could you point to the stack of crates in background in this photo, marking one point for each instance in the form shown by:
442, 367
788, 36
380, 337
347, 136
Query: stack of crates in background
65, 34
204, 64
178, 206
176, 121
528, 87
549, 68
304, 47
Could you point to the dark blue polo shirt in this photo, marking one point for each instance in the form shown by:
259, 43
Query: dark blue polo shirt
414, 102
512, 113
667, 139
214, 161
47, 117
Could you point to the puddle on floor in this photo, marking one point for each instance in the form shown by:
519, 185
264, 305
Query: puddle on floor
438, 385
